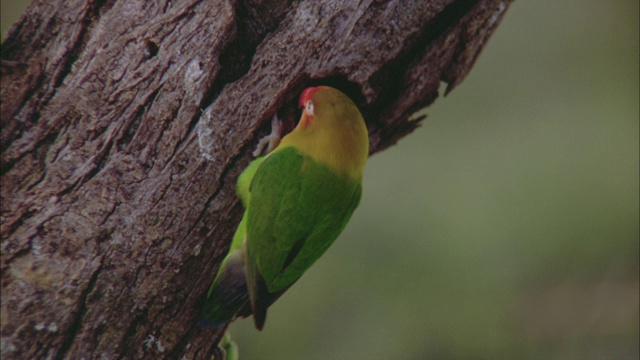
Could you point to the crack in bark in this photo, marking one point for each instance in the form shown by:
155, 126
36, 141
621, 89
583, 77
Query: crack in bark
235, 60
25, 250
33, 75
76, 324
220, 183
88, 21
412, 49
130, 334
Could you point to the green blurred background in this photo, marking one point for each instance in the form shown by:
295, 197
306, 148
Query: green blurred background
506, 226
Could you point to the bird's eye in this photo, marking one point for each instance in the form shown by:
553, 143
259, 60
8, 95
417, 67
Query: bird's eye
309, 107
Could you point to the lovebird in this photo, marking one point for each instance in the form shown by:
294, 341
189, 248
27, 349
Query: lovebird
297, 200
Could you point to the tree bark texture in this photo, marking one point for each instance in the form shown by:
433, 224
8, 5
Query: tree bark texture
126, 123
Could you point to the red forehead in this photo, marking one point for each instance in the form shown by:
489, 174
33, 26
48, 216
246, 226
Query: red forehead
307, 94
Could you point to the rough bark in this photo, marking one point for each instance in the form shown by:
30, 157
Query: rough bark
126, 123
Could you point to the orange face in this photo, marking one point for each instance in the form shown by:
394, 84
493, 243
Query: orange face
306, 103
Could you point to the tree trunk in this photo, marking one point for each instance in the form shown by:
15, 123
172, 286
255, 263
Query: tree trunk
126, 123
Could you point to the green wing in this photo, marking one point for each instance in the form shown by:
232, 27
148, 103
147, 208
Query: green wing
297, 208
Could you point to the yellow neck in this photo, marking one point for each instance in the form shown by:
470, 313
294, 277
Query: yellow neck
343, 147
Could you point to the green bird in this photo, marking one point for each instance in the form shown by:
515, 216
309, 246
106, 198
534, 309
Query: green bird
297, 200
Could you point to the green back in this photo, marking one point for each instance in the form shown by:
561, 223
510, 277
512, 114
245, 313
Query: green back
298, 207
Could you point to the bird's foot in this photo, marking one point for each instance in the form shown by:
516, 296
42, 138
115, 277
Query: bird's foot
272, 140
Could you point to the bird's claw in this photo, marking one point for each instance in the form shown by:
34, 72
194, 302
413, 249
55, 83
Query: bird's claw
272, 140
